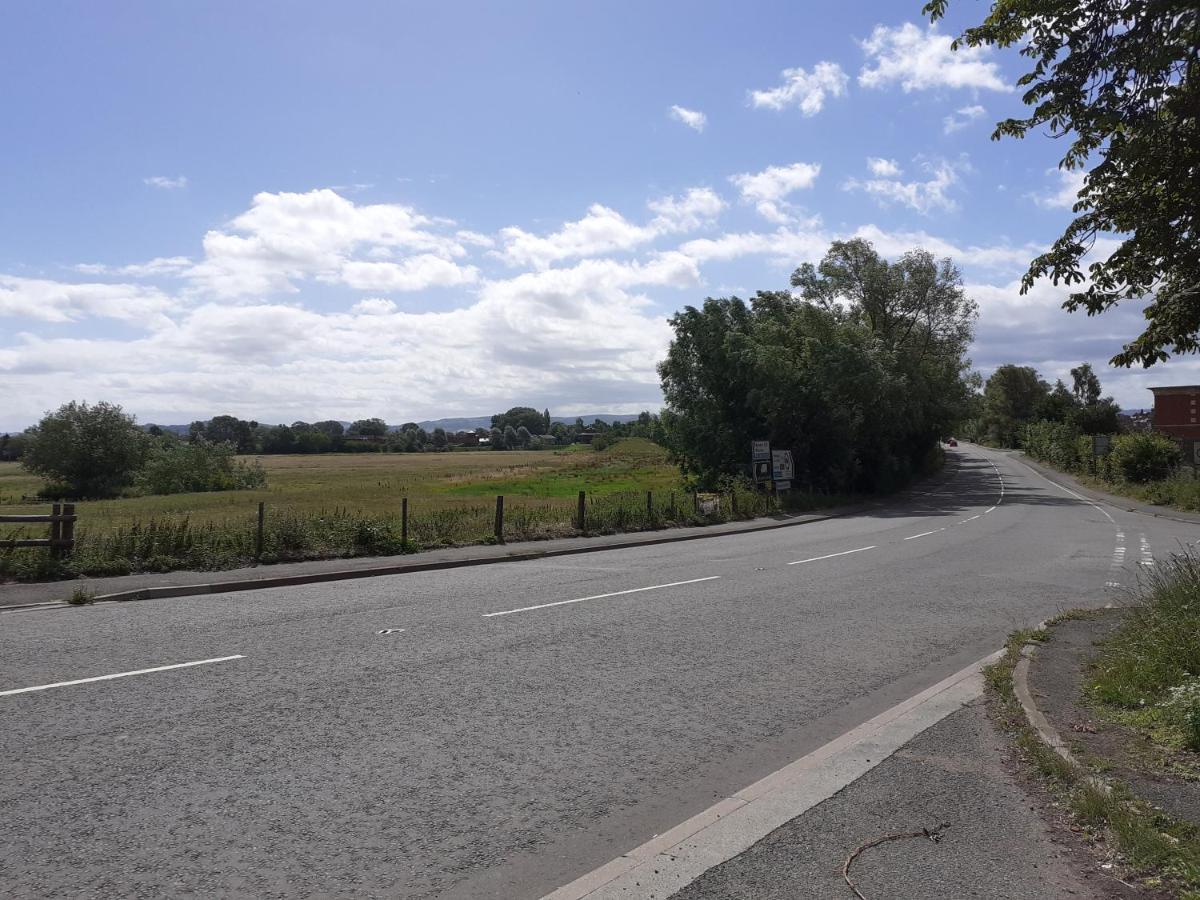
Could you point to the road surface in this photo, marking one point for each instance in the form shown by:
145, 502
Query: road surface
499, 731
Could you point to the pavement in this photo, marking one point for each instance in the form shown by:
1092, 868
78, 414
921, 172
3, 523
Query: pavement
504, 730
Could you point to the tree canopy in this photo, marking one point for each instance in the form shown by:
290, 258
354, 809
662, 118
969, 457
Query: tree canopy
86, 451
1118, 79
858, 375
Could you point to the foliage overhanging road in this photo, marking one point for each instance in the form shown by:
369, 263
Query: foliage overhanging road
479, 755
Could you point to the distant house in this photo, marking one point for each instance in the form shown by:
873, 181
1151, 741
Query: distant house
1175, 411
585, 437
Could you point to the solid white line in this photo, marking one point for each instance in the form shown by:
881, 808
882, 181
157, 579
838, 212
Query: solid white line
924, 534
669, 861
58, 684
832, 555
653, 587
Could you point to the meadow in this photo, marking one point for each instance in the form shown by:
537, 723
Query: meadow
343, 505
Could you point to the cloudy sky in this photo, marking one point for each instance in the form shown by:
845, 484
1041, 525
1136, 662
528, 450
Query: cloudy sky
309, 210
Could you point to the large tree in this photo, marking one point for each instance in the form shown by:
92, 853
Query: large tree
858, 375
520, 416
86, 451
1118, 80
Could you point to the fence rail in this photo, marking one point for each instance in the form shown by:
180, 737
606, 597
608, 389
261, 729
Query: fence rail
61, 520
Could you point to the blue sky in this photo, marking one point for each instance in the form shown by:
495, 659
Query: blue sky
300, 211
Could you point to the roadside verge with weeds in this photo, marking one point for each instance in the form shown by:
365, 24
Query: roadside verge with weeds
1139, 841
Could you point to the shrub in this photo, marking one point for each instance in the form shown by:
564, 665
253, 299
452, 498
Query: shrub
86, 451
1141, 457
1056, 443
174, 467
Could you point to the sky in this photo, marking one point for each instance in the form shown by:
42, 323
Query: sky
302, 211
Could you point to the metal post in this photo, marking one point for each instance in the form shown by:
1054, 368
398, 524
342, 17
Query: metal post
404, 523
581, 513
733, 503
258, 536
649, 507
499, 518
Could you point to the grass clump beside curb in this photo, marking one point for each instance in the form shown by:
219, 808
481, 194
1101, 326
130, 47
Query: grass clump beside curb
1150, 668
81, 597
1152, 846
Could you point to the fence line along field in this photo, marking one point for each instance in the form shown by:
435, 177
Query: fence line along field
331, 505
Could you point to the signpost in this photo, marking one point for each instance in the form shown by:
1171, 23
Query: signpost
781, 466
760, 450
1101, 444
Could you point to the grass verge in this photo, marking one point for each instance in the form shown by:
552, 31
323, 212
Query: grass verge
1149, 846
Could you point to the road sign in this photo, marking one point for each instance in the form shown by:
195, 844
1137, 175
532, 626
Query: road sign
1101, 444
781, 465
783, 485
760, 450
762, 470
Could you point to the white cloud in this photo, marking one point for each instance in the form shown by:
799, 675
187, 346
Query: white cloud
1070, 183
581, 335
163, 183
604, 230
923, 196
884, 168
803, 89
692, 118
920, 59
768, 188
962, 118
287, 237
412, 274
58, 302
374, 306
157, 267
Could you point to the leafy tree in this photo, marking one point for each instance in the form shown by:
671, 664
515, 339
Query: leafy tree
496, 439
368, 428
511, 439
859, 375
524, 438
546, 423
440, 441
86, 451
1119, 79
519, 416
1059, 405
1012, 397
225, 430
330, 427
279, 439
1087, 385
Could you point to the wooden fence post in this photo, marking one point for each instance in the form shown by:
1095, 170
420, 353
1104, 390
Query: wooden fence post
581, 513
733, 503
499, 518
56, 531
68, 528
404, 523
258, 536
650, 507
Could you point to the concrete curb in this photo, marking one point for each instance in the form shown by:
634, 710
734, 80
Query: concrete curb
1037, 721
274, 581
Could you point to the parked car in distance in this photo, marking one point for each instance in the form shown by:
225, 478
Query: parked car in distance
952, 443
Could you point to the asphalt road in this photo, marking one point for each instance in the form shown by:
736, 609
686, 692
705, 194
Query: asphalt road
471, 754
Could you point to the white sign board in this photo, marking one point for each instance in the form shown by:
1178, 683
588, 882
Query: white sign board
783, 485
760, 450
781, 465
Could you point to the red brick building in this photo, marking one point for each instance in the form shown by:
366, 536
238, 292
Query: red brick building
1175, 411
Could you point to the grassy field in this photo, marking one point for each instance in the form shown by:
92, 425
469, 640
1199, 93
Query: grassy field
334, 505
375, 483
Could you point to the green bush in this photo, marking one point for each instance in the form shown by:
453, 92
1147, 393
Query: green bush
1056, 443
1141, 457
176, 467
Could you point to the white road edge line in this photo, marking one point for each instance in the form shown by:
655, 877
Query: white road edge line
832, 555
653, 587
677, 857
58, 684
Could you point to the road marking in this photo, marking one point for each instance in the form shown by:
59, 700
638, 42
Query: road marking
58, 684
924, 534
972, 519
653, 587
832, 555
669, 861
